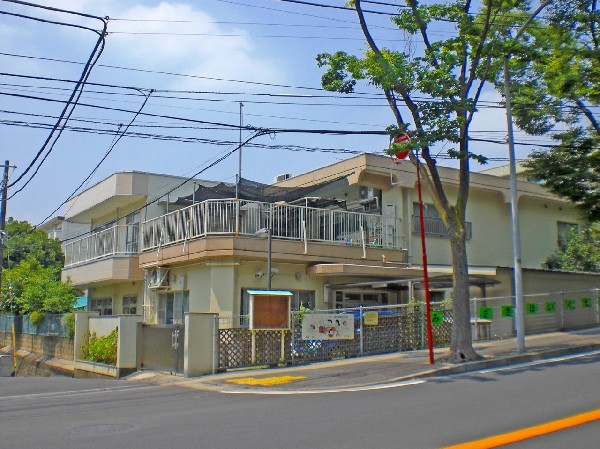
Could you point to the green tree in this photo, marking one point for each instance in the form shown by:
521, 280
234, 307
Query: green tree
579, 252
556, 76
32, 281
25, 242
440, 90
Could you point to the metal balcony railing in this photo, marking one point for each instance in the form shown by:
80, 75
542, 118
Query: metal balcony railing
436, 227
228, 216
120, 240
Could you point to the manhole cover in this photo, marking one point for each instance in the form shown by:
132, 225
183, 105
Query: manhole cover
100, 429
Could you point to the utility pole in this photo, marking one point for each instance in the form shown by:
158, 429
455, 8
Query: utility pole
3, 200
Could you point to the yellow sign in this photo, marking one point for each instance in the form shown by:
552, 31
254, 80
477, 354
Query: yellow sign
371, 318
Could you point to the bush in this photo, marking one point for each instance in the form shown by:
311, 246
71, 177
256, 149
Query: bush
101, 349
70, 324
36, 317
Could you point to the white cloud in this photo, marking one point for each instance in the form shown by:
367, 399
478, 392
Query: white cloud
194, 46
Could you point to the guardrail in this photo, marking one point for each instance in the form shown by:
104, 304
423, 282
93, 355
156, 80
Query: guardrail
229, 216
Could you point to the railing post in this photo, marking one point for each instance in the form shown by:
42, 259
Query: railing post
115, 244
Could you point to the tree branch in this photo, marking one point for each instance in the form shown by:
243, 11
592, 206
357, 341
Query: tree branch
590, 116
389, 96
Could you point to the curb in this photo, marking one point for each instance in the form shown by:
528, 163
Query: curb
502, 361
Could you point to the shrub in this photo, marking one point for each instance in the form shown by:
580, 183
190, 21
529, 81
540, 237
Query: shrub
101, 349
37, 317
70, 324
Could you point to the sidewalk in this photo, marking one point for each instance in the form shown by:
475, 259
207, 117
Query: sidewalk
361, 372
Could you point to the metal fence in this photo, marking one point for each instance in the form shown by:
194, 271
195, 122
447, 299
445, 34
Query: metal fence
214, 217
402, 328
544, 312
117, 240
398, 328
53, 324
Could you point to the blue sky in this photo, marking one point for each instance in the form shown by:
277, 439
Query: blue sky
202, 58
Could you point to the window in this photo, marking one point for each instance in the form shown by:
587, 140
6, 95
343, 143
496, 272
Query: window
437, 295
434, 225
563, 230
102, 305
172, 306
301, 297
129, 305
105, 226
132, 233
345, 299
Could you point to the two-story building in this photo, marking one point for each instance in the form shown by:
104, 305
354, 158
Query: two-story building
343, 235
100, 232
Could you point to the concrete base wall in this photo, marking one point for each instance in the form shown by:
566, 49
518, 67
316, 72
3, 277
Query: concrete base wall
43, 345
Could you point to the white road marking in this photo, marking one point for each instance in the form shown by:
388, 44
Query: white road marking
74, 392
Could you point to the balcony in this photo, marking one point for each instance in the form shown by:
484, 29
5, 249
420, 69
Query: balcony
120, 240
436, 227
293, 223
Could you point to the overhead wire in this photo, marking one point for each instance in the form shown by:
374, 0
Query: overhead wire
118, 136
69, 107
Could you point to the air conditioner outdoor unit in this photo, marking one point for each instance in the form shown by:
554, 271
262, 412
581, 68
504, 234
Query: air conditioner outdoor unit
159, 278
282, 177
366, 193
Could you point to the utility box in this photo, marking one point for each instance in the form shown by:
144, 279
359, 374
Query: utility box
5, 365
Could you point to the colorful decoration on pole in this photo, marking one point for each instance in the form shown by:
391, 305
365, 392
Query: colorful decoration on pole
399, 148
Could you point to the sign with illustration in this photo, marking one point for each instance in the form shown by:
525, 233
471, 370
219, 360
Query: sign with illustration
328, 326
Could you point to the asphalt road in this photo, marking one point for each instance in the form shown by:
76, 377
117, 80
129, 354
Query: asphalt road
58, 413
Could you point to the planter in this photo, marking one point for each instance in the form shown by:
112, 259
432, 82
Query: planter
83, 368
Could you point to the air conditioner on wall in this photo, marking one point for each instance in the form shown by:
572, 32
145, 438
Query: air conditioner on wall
366, 193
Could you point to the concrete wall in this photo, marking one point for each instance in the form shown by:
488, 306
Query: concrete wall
200, 356
46, 345
127, 343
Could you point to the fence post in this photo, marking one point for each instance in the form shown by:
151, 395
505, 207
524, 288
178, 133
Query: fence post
361, 328
562, 310
215, 346
293, 335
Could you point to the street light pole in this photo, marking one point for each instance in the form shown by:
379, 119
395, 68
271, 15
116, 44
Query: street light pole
514, 206
266, 232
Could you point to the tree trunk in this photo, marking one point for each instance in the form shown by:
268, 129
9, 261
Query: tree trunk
461, 346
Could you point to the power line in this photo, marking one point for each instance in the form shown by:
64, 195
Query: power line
68, 108
120, 135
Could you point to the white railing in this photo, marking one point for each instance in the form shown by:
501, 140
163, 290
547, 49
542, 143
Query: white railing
118, 240
214, 217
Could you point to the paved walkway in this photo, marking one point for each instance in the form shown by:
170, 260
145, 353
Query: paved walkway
357, 373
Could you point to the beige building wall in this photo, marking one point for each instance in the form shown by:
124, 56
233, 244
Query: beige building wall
117, 292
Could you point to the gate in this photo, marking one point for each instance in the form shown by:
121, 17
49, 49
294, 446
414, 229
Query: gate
162, 348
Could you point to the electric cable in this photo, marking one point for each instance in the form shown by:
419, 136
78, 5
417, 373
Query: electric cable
119, 136
71, 103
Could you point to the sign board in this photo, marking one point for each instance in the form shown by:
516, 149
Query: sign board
269, 309
328, 326
398, 147
371, 318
